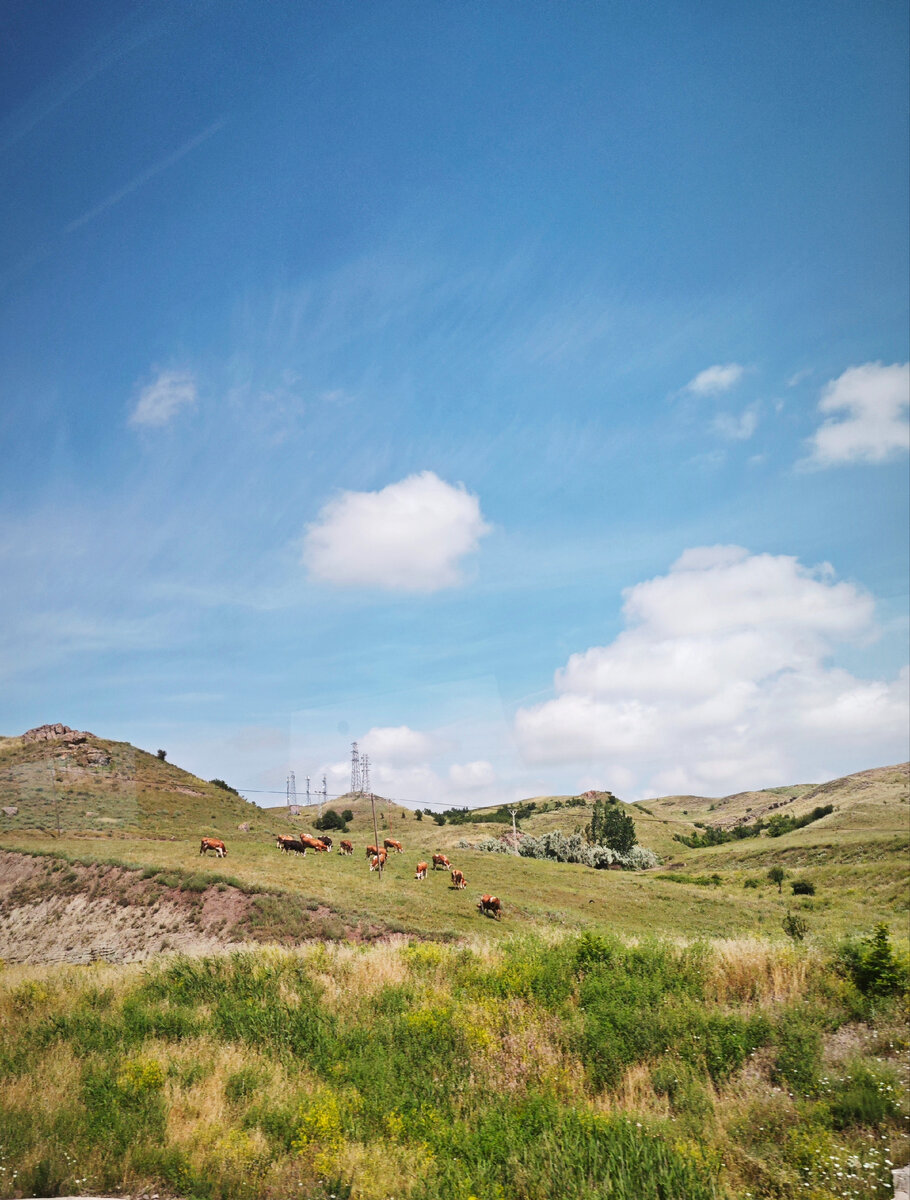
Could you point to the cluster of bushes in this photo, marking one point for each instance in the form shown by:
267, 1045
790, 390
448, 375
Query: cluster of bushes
467, 816
225, 787
572, 848
331, 819
775, 826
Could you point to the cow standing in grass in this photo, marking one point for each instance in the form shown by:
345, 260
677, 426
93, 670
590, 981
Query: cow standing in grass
346, 848
490, 906
378, 861
390, 844
458, 880
440, 860
215, 844
421, 870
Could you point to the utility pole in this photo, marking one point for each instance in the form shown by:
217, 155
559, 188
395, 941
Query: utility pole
293, 808
514, 830
376, 832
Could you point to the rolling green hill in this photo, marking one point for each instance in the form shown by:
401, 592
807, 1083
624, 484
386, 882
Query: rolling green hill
115, 802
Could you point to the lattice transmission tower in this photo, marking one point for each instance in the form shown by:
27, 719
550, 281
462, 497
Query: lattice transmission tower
293, 806
356, 784
364, 772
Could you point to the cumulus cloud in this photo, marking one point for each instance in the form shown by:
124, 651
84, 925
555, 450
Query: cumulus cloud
163, 398
411, 536
714, 380
398, 745
720, 680
472, 774
871, 423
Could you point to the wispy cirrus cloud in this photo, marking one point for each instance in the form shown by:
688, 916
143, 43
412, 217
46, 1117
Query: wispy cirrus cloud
160, 400
714, 380
737, 427
870, 424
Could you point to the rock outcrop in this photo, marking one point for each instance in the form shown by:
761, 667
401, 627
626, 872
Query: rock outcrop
54, 733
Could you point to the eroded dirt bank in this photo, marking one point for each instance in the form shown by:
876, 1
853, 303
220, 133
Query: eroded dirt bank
52, 910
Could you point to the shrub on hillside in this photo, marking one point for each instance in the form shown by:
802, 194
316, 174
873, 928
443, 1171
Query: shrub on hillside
872, 964
331, 819
802, 887
574, 849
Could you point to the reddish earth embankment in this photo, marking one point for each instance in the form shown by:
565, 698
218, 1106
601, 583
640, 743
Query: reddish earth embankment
53, 910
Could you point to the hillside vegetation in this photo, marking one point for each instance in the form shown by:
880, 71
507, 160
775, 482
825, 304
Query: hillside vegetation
698, 1030
579, 1067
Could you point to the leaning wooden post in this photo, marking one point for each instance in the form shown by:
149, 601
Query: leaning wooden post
376, 834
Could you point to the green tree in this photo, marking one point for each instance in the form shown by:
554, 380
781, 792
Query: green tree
777, 875
610, 826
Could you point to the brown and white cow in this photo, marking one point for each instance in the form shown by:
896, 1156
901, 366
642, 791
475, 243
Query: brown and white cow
490, 906
390, 844
458, 880
440, 860
326, 841
421, 870
215, 844
283, 842
372, 851
346, 848
378, 861
312, 843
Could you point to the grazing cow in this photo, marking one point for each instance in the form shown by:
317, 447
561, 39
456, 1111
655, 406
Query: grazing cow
346, 848
421, 871
372, 851
215, 844
378, 860
313, 843
458, 880
326, 841
295, 846
390, 844
490, 906
440, 860
283, 842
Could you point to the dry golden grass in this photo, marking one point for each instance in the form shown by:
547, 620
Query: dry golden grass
748, 969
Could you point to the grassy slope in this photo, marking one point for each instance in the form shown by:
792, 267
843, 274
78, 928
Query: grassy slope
150, 813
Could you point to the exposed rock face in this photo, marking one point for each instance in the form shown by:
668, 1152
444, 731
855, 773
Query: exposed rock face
10, 810
53, 733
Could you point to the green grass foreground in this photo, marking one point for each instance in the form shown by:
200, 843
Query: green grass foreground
576, 1067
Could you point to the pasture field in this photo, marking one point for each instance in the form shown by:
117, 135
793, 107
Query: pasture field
334, 1033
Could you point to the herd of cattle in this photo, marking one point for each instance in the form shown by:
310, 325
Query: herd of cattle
489, 905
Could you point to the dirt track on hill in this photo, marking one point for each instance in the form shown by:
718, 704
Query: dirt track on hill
77, 913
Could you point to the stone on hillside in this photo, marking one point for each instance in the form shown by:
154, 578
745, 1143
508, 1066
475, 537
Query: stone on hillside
244, 827
11, 810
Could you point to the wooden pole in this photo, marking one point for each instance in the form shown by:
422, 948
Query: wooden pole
376, 833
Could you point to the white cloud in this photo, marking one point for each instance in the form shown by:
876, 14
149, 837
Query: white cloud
720, 681
472, 775
716, 379
163, 398
408, 537
398, 745
872, 425
737, 428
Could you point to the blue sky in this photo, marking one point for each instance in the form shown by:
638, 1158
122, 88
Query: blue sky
519, 389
